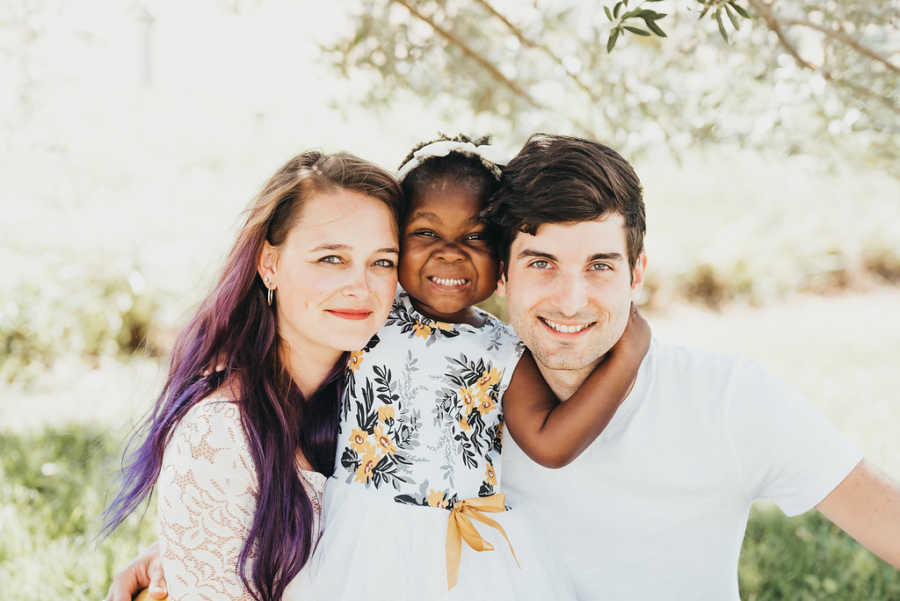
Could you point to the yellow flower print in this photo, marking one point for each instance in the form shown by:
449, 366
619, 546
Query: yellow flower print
468, 400
384, 441
358, 440
485, 403
422, 330
488, 378
436, 498
385, 412
490, 475
443, 326
355, 360
464, 424
367, 464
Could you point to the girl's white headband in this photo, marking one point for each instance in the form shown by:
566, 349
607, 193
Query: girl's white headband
492, 157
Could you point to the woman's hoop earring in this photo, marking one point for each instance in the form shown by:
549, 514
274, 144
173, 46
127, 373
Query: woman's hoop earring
270, 292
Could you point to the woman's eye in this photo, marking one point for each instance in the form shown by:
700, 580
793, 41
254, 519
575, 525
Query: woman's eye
540, 264
331, 259
385, 263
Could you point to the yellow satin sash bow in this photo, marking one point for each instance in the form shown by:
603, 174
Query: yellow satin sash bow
461, 527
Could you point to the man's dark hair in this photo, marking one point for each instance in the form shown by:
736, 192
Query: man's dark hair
558, 179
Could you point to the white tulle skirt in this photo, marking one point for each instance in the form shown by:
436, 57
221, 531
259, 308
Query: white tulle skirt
373, 548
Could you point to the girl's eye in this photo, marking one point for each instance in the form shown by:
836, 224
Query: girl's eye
331, 259
600, 267
385, 263
540, 264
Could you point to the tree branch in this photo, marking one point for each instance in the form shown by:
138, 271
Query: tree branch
594, 96
843, 37
471, 53
764, 10
485, 63
529, 43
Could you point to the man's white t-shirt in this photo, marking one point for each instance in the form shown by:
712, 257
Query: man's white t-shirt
657, 506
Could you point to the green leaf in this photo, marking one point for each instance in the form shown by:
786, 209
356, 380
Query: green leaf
637, 30
721, 25
652, 26
732, 17
734, 5
705, 10
611, 42
616, 9
646, 13
608, 13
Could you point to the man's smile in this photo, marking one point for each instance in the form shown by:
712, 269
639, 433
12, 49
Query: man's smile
570, 329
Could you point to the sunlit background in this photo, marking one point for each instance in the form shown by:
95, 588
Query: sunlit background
132, 135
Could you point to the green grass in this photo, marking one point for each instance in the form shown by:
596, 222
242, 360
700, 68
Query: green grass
808, 558
55, 484
53, 489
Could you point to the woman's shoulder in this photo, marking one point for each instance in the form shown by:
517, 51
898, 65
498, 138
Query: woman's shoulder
211, 430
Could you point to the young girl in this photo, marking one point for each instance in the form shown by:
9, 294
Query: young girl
418, 457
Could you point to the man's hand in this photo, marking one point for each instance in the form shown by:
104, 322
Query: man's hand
144, 572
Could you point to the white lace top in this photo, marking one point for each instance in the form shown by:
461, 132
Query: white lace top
207, 491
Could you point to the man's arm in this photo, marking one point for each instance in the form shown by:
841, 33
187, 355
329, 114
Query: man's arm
144, 572
866, 505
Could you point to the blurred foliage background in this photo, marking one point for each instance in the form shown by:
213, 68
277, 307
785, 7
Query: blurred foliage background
133, 133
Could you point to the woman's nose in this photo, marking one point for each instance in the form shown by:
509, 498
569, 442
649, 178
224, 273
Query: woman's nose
357, 284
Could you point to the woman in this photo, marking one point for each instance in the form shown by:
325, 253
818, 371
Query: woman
240, 457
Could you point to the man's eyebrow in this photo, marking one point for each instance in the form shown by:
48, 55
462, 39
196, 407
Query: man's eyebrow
535, 253
606, 257
610, 256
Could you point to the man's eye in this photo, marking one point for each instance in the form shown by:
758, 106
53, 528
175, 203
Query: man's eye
385, 263
331, 259
600, 267
540, 264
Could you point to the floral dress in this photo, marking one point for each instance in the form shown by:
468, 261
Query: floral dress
421, 435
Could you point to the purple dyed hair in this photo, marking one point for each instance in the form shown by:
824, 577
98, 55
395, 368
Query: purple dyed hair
234, 322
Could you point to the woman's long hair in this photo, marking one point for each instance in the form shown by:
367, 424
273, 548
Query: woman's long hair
235, 322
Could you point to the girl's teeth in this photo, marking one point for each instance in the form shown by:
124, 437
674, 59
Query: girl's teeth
448, 282
564, 328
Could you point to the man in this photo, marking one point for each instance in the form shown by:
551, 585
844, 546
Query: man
656, 507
